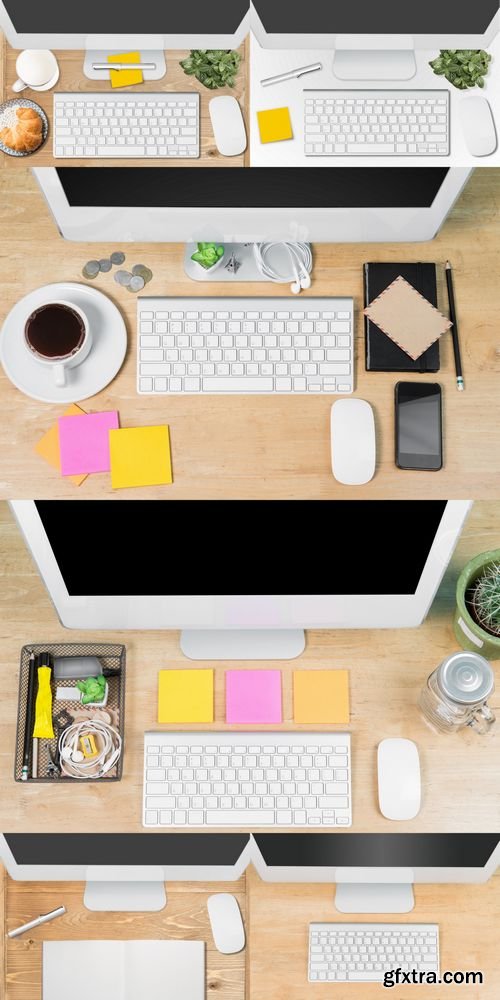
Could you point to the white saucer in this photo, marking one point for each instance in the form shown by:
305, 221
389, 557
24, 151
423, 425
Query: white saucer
109, 345
46, 86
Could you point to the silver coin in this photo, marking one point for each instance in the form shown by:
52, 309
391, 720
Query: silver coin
91, 269
105, 265
136, 283
143, 272
117, 257
123, 278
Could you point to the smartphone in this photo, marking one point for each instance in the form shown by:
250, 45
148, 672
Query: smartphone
419, 436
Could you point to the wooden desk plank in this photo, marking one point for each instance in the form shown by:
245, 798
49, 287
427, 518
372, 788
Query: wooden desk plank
72, 80
387, 671
279, 916
267, 447
185, 917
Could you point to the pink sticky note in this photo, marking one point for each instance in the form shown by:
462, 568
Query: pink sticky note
84, 442
253, 696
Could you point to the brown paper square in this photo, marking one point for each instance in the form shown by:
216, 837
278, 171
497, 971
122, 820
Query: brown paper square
407, 317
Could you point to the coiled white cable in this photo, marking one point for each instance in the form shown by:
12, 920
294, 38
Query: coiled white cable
301, 261
72, 761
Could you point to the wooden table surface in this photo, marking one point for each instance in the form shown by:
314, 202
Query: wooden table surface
266, 446
387, 670
72, 80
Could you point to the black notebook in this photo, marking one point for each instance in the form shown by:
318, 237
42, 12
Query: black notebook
381, 353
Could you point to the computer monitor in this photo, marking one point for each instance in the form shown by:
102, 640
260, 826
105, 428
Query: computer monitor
374, 873
375, 41
193, 565
125, 871
322, 204
121, 25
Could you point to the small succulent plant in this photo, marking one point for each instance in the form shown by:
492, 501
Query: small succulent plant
208, 254
485, 599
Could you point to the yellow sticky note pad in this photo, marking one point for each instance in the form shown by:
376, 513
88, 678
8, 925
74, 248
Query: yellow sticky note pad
321, 696
48, 445
186, 696
140, 456
275, 125
125, 77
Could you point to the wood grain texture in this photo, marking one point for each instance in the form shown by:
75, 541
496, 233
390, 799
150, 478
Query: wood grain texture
72, 80
185, 917
267, 447
387, 670
279, 915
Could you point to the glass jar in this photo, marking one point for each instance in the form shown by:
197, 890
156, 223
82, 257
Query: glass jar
456, 692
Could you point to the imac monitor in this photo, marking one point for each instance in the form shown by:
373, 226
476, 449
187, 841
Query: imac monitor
339, 564
323, 204
376, 41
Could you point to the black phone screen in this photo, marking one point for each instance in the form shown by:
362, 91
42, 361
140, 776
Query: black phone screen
418, 426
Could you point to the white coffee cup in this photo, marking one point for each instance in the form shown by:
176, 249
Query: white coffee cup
36, 69
61, 364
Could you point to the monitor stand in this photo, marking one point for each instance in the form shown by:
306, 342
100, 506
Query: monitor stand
243, 644
129, 889
374, 57
366, 891
99, 47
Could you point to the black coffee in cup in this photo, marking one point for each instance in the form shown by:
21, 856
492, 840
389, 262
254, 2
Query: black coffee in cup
54, 331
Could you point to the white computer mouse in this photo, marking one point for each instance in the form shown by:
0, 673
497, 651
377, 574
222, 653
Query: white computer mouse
352, 427
478, 125
228, 125
226, 923
398, 768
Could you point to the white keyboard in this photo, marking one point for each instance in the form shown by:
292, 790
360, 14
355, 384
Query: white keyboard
247, 779
356, 953
377, 123
126, 125
245, 345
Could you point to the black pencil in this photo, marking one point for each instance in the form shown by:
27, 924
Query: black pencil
29, 718
454, 329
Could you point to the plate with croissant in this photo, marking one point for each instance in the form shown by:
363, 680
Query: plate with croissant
24, 127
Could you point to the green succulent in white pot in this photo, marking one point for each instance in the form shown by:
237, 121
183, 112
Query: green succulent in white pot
209, 255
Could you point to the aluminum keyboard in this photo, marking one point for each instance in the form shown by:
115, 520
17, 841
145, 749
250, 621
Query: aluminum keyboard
363, 952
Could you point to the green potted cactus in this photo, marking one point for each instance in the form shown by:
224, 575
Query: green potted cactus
477, 615
209, 255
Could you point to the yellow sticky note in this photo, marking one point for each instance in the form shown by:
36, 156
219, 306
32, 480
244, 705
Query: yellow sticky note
275, 125
125, 77
186, 696
48, 445
321, 696
140, 456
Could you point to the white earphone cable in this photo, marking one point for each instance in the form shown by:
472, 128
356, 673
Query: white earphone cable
300, 259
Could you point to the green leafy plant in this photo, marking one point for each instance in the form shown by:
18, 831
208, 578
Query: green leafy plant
463, 68
214, 68
93, 689
208, 254
485, 599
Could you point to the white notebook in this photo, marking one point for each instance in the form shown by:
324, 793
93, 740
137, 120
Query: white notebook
123, 970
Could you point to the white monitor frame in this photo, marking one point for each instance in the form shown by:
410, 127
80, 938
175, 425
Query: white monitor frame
233, 612
245, 225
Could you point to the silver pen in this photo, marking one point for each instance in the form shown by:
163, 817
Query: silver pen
42, 919
119, 65
291, 75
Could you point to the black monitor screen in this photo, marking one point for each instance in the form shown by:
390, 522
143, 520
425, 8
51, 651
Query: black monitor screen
150, 547
377, 850
119, 17
126, 848
259, 187
427, 17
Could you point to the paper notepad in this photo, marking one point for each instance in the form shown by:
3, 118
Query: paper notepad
123, 970
125, 77
84, 442
407, 317
253, 696
321, 696
186, 696
275, 125
140, 456
48, 445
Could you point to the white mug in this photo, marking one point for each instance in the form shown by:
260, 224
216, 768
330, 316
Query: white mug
37, 69
61, 365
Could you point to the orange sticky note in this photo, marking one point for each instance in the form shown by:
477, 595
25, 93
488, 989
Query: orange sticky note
125, 77
48, 445
321, 696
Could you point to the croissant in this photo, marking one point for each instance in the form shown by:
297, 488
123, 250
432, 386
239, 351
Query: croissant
27, 134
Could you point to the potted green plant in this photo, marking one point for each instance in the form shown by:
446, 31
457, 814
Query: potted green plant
214, 68
464, 68
477, 615
209, 255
